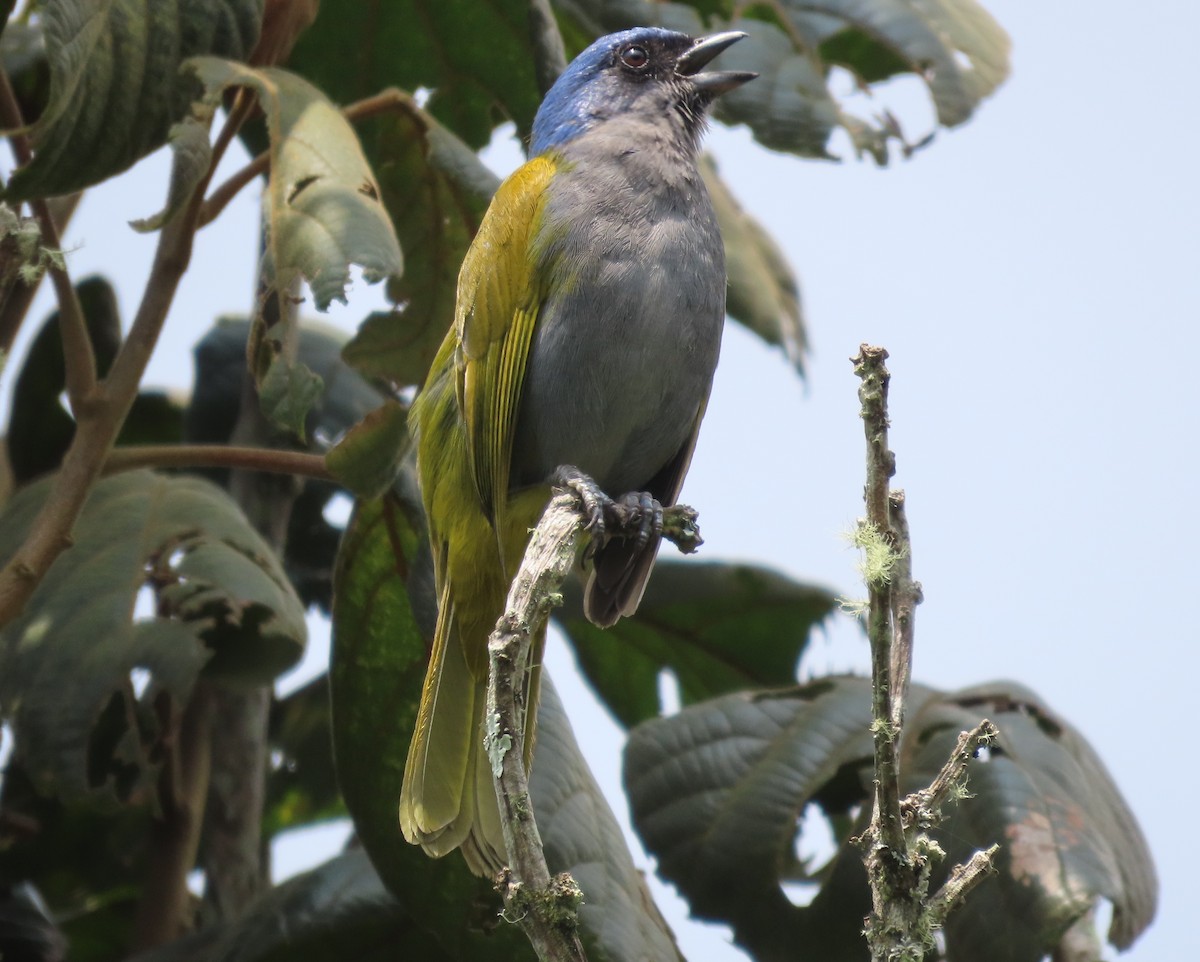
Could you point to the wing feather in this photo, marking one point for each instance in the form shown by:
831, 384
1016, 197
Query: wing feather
498, 300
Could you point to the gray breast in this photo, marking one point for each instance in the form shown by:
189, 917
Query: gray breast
630, 328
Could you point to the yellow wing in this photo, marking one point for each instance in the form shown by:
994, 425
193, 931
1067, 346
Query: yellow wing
498, 300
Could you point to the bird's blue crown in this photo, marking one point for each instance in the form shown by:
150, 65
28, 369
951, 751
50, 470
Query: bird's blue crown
572, 105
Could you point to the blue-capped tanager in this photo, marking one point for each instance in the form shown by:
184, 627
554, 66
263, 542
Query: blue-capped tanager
587, 327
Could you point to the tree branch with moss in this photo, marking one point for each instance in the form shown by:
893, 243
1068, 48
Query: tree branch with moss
545, 907
898, 852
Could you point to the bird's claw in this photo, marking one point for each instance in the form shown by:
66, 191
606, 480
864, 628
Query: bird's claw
608, 518
641, 506
596, 504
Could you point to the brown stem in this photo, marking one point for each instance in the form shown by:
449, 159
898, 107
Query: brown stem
382, 102
897, 850
164, 911
300, 463
927, 803
905, 596
78, 355
235, 861
21, 295
887, 700
99, 421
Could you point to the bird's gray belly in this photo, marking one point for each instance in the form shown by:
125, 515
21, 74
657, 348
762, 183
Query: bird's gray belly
623, 358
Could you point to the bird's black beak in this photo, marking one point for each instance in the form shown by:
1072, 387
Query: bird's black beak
702, 52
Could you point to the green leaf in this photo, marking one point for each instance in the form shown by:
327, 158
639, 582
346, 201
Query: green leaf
436, 190
377, 670
41, 428
717, 627
302, 784
618, 917
337, 911
223, 606
323, 207
87, 862
220, 359
192, 158
763, 292
115, 84
367, 460
954, 46
377, 667
287, 393
220, 362
716, 792
474, 58
1067, 837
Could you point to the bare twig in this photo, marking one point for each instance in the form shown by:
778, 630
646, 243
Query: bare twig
300, 463
898, 853
921, 805
79, 358
962, 879
878, 534
544, 906
905, 596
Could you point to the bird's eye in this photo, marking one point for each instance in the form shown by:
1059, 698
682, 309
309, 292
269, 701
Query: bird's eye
635, 57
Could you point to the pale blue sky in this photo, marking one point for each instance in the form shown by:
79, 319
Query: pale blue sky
1034, 276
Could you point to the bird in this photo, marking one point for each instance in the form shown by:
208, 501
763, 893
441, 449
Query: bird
588, 321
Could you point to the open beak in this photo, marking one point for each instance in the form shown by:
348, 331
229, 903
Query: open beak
699, 56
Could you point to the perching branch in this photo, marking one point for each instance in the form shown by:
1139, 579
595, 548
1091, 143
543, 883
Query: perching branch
898, 853
99, 420
78, 356
134, 456
545, 907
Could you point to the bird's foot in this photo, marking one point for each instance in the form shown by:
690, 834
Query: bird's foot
642, 509
636, 515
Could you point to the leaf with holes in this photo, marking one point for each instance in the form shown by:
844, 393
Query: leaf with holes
323, 207
954, 46
1067, 838
717, 627
115, 82
87, 680
716, 792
